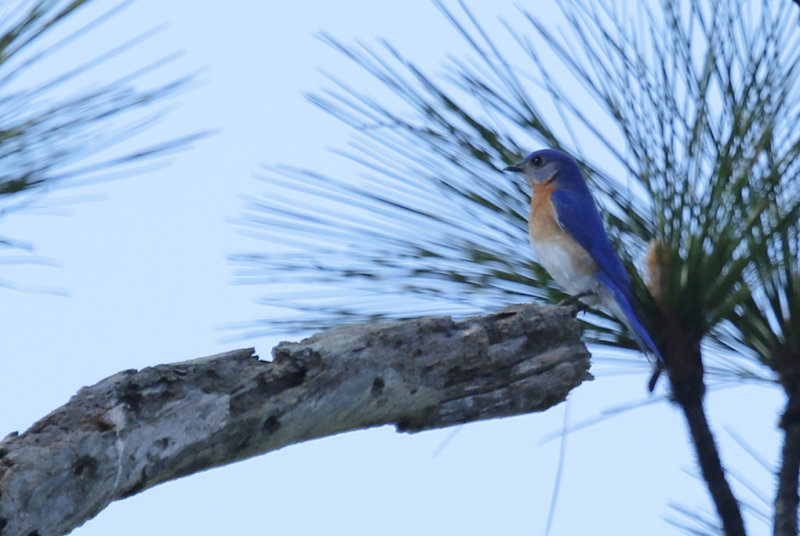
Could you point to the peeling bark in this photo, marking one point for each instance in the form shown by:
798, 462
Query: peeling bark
137, 429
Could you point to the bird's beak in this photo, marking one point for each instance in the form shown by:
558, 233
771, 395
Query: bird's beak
515, 167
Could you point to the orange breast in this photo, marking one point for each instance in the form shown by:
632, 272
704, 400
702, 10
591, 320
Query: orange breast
542, 223
547, 234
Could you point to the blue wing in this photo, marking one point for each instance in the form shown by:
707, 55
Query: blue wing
577, 214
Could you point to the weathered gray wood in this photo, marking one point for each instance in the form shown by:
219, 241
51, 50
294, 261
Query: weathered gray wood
136, 429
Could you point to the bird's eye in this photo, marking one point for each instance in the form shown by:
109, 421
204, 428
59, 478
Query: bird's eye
537, 161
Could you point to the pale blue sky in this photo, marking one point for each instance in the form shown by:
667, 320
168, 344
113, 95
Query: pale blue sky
148, 282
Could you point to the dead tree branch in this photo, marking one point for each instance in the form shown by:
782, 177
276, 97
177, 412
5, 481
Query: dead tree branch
137, 429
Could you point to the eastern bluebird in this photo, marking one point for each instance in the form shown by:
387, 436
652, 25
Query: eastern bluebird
571, 243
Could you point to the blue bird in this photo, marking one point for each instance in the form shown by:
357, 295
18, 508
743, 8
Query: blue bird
571, 243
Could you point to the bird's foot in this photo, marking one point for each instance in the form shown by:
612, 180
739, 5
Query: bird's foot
575, 300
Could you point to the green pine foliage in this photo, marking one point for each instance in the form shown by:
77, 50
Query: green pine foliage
680, 102
685, 117
63, 128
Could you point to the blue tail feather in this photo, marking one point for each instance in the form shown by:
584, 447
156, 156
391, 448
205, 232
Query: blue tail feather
640, 333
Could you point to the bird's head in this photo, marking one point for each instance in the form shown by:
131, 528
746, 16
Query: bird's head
548, 165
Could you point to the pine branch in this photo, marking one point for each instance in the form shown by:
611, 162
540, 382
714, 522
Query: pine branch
709, 461
786, 500
137, 429
686, 373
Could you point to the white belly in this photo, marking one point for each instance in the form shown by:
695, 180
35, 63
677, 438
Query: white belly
570, 273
